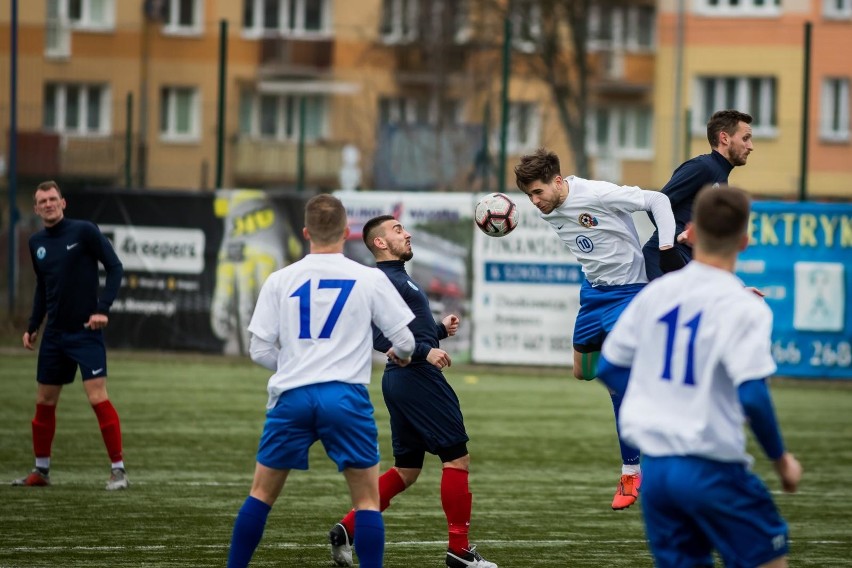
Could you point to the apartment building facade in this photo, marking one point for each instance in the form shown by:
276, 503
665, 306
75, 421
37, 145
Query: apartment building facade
406, 94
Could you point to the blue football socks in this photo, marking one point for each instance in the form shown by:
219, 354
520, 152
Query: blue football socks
369, 538
248, 530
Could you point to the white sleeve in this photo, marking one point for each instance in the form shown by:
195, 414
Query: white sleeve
265, 321
402, 341
660, 206
263, 353
749, 352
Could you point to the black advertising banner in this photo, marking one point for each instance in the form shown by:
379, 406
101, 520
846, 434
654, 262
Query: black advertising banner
193, 262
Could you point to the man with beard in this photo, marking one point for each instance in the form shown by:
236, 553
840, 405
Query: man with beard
729, 134
425, 414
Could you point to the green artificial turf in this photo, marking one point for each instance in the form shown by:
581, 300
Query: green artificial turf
544, 465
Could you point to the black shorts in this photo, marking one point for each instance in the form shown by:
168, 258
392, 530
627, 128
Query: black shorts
62, 351
425, 414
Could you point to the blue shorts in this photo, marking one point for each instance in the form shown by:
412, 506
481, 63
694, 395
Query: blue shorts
338, 414
425, 414
693, 506
61, 352
600, 307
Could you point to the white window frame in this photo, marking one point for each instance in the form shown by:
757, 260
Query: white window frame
170, 134
401, 31
526, 13
831, 11
613, 147
60, 105
252, 100
57, 36
763, 115
834, 110
171, 24
85, 22
738, 8
285, 29
514, 144
624, 22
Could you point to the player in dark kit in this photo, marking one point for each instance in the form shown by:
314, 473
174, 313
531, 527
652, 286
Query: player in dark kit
65, 257
729, 134
424, 410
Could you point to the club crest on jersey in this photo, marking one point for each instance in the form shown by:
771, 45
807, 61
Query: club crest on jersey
587, 220
410, 283
41, 253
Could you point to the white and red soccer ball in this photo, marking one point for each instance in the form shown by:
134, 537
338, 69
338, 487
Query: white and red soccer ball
496, 215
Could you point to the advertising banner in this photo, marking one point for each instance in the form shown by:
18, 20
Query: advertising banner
800, 255
193, 262
526, 294
441, 227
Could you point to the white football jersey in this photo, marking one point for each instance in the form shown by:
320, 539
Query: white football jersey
318, 310
690, 338
595, 223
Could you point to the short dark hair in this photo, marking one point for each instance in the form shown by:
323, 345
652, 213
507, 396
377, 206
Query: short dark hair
47, 186
725, 121
325, 219
543, 165
720, 215
371, 229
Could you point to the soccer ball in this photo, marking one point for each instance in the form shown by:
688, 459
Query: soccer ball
496, 215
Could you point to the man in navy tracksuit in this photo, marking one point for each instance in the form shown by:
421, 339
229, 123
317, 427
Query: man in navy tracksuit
424, 410
65, 257
729, 133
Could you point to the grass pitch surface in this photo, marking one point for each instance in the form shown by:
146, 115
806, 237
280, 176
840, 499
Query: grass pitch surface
544, 456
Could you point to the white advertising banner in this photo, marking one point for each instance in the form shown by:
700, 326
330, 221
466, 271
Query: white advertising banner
526, 294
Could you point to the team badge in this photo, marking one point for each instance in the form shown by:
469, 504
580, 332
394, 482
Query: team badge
588, 221
41, 253
410, 283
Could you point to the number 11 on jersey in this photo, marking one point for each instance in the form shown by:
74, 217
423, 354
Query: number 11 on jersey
671, 322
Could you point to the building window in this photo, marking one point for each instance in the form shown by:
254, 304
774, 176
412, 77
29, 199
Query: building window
184, 17
834, 110
524, 128
278, 117
755, 95
629, 28
622, 132
286, 17
77, 109
525, 25
179, 110
760, 8
91, 14
399, 20
837, 9
419, 111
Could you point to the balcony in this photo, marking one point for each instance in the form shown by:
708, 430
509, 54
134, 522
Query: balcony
48, 154
621, 72
419, 63
265, 162
291, 57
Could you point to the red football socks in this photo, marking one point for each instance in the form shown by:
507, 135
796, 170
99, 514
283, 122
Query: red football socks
110, 429
457, 502
390, 485
44, 427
